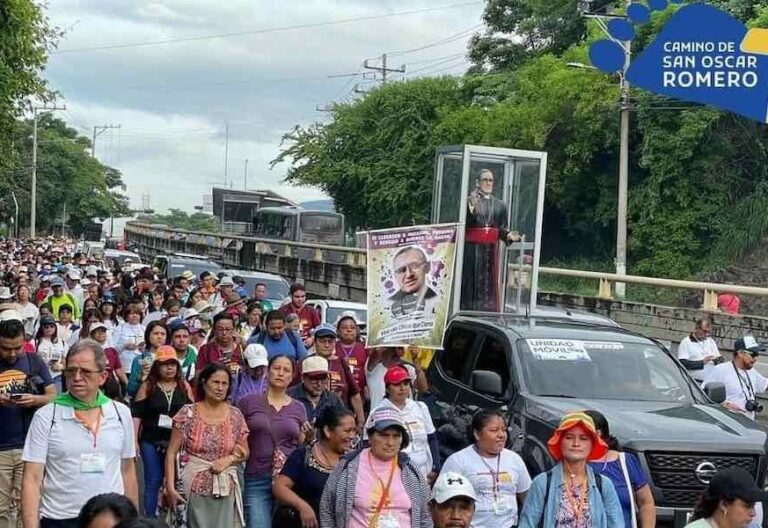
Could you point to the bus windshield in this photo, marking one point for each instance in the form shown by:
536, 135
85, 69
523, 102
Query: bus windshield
320, 223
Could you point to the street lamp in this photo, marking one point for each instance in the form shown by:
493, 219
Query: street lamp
624, 107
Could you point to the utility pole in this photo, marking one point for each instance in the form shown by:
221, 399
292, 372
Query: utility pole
245, 176
33, 204
621, 221
383, 68
226, 153
97, 131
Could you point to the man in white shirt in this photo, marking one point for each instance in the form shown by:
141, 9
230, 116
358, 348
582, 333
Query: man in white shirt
79, 445
742, 382
698, 352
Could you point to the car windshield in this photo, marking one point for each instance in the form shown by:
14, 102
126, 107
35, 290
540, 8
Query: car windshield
602, 370
332, 314
276, 289
195, 266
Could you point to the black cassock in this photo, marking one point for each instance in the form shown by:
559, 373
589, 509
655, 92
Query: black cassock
481, 275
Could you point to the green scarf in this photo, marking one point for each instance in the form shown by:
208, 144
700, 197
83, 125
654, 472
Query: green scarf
67, 400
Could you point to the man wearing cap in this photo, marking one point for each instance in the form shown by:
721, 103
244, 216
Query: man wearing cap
221, 297
44, 290
60, 297
343, 384
252, 379
25, 385
313, 391
72, 280
185, 353
308, 316
742, 381
453, 501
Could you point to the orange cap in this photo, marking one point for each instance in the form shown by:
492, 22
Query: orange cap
165, 353
569, 421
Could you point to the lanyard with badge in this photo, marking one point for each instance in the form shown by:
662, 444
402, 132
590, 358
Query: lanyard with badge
501, 504
387, 520
94, 462
164, 420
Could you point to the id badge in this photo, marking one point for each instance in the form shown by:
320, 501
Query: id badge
93, 463
165, 421
388, 520
502, 506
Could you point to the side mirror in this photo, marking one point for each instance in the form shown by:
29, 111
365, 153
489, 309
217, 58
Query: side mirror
487, 382
716, 391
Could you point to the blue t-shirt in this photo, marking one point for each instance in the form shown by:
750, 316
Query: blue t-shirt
15, 379
284, 347
613, 471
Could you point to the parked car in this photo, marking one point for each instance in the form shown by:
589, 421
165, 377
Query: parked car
116, 259
331, 309
173, 265
277, 286
541, 367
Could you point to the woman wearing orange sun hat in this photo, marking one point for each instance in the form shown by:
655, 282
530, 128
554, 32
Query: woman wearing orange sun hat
571, 495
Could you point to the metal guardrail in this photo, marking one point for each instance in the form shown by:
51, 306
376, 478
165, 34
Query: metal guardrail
227, 247
607, 280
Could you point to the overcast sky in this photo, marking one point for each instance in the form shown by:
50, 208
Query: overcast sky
174, 99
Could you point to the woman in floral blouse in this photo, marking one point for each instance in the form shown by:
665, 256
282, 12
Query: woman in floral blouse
211, 438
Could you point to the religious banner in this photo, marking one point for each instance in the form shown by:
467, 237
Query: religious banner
410, 278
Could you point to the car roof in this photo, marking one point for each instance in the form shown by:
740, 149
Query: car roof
548, 327
183, 257
119, 253
252, 274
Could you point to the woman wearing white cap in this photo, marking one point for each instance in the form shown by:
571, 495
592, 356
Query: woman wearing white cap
253, 378
378, 486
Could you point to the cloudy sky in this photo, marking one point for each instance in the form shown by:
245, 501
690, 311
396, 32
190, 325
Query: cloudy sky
150, 66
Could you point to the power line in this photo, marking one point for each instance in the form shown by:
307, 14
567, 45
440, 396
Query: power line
441, 42
265, 30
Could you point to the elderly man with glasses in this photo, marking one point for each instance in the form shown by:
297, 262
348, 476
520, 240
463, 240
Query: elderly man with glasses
79, 445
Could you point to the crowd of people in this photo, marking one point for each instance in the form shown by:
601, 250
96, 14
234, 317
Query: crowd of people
224, 410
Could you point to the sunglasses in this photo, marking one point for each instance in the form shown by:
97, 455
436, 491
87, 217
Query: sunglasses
317, 377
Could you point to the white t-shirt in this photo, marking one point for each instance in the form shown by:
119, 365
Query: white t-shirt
497, 481
30, 313
697, 351
740, 385
419, 425
65, 445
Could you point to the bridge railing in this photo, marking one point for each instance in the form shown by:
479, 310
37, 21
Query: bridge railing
235, 250
606, 282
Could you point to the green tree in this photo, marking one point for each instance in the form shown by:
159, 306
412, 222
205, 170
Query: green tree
518, 30
375, 158
25, 38
66, 174
178, 219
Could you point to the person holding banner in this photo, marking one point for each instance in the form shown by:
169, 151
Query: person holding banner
487, 221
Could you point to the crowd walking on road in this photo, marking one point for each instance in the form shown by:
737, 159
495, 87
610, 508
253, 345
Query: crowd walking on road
188, 401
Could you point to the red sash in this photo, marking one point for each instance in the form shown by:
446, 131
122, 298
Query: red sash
482, 235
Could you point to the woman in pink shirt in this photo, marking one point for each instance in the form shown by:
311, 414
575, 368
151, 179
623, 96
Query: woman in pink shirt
377, 486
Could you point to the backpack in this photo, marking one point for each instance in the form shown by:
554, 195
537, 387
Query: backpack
598, 482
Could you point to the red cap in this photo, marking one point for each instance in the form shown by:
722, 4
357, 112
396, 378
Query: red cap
396, 375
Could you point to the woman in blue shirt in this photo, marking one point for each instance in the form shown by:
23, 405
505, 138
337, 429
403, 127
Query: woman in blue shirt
628, 478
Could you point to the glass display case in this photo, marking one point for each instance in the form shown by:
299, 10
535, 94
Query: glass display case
497, 194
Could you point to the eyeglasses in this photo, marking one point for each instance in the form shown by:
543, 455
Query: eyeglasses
71, 372
413, 267
317, 377
486, 180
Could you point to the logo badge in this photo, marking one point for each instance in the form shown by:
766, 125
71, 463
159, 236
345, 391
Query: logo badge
705, 471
